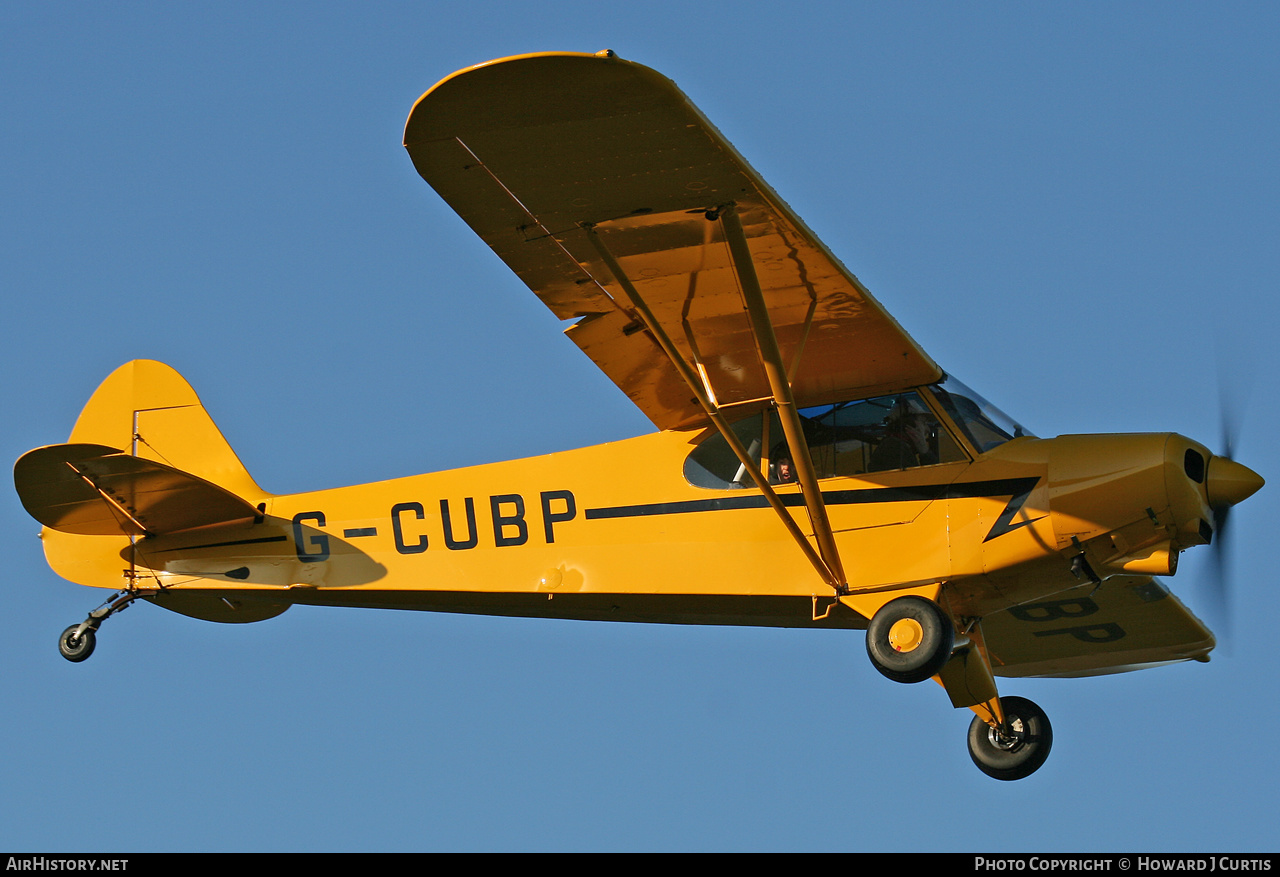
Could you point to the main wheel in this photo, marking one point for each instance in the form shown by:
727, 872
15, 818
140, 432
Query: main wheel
909, 639
1020, 749
76, 648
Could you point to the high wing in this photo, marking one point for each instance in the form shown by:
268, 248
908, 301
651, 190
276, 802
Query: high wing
1128, 623
578, 168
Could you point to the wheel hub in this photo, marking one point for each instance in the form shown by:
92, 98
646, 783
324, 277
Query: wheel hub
906, 635
1010, 741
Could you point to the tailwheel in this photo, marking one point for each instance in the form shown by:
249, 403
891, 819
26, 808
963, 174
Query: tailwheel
1016, 749
75, 644
910, 639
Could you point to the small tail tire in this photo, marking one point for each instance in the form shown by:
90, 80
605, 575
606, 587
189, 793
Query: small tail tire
910, 639
76, 648
1019, 749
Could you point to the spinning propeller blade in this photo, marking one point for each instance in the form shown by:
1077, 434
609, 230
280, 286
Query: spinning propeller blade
1228, 483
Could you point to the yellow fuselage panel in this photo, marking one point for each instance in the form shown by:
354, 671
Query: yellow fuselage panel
620, 519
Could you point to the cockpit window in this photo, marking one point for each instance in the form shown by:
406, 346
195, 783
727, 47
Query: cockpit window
983, 423
876, 435
844, 438
713, 463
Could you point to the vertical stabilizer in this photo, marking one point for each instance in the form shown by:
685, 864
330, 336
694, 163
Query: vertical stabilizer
147, 409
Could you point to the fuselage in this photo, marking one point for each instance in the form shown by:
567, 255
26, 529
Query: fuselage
617, 531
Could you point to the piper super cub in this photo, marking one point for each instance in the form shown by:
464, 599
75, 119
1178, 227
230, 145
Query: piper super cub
813, 466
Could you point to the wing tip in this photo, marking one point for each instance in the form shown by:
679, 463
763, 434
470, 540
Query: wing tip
417, 124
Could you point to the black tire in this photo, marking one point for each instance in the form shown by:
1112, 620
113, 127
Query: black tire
1022, 751
76, 648
925, 658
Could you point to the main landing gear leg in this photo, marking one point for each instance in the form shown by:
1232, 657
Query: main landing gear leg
77, 642
911, 638
1010, 737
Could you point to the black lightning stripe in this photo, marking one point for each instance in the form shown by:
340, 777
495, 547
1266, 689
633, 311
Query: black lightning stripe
1004, 523
1017, 489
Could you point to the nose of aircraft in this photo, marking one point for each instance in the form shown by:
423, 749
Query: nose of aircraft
1229, 482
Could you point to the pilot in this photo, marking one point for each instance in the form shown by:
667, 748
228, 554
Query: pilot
784, 471
906, 440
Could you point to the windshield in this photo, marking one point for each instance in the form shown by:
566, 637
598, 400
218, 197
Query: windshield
984, 424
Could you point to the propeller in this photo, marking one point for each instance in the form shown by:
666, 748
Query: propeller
1228, 483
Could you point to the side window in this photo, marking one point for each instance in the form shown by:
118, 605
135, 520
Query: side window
876, 435
844, 438
713, 464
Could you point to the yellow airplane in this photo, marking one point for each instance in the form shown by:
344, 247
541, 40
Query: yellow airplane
813, 466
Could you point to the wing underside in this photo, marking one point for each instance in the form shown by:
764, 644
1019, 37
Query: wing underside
575, 168
1127, 623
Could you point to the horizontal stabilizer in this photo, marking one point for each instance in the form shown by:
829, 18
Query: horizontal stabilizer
95, 490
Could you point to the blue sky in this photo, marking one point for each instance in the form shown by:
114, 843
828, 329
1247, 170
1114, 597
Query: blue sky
1073, 209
